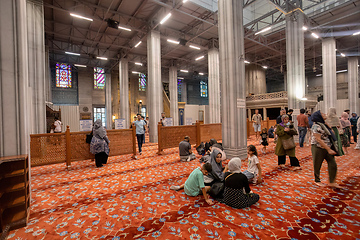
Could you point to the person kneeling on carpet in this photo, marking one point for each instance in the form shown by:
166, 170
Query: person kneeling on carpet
194, 185
237, 193
186, 154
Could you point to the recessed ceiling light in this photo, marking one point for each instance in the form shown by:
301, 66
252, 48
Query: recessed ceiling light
341, 71
356, 33
201, 73
79, 65
201, 57
173, 41
342, 54
137, 63
138, 44
185, 71
318, 75
180, 78
71, 53
102, 58
135, 72
314, 35
247, 62
165, 18
79, 16
194, 47
304, 28
124, 28
264, 30
264, 67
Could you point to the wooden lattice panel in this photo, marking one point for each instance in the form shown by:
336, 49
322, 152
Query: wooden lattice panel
80, 150
47, 149
208, 131
172, 136
121, 141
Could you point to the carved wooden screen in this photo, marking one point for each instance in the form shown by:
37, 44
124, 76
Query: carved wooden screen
208, 131
172, 136
121, 141
80, 150
47, 149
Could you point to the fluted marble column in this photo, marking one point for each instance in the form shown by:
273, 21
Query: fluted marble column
295, 61
232, 75
124, 91
214, 86
183, 91
353, 84
329, 73
36, 62
108, 107
174, 109
154, 93
14, 101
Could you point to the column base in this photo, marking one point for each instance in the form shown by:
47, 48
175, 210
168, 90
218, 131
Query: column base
236, 152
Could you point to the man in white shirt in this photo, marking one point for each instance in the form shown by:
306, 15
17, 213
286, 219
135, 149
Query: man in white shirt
57, 125
256, 119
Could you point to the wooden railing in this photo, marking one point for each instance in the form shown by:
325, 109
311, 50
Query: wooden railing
52, 148
169, 137
264, 124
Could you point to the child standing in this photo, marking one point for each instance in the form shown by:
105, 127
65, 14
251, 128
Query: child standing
264, 139
253, 172
195, 185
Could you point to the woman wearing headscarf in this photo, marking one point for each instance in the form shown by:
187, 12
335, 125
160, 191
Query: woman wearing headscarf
285, 131
322, 142
334, 123
99, 144
345, 125
218, 172
237, 193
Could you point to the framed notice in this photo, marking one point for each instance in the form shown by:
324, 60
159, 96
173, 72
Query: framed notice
168, 122
120, 123
188, 121
86, 125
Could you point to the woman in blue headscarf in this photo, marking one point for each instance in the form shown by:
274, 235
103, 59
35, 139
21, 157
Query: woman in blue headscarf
323, 147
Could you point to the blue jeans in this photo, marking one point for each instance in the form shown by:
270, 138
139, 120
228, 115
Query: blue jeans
302, 134
140, 140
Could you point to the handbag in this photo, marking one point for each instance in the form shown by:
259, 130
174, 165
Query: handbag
89, 137
288, 143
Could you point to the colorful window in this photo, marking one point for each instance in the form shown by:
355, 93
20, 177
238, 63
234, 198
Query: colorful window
99, 78
203, 89
142, 82
63, 75
179, 86
99, 113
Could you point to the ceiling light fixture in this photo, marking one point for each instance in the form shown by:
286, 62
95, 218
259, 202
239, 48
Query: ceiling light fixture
137, 63
201, 57
318, 75
79, 65
134, 72
304, 28
124, 28
102, 58
185, 71
314, 35
173, 41
356, 33
71, 53
247, 62
138, 44
180, 78
265, 67
342, 54
165, 18
184, 1
194, 47
201, 74
78, 16
264, 30
341, 71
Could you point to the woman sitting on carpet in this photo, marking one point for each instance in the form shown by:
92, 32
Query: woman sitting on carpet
218, 172
99, 144
285, 132
237, 192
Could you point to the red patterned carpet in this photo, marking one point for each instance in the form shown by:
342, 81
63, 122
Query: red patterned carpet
131, 199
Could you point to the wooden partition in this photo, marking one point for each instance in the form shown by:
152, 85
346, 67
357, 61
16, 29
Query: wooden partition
264, 124
52, 148
169, 137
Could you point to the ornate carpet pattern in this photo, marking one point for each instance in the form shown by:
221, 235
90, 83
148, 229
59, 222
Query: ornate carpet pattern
131, 199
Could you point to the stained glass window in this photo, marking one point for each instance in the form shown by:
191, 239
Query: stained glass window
63, 75
99, 113
179, 86
99, 78
142, 82
203, 89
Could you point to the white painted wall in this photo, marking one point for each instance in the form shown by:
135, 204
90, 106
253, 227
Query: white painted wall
192, 111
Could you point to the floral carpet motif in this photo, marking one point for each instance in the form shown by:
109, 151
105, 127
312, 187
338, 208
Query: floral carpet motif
130, 199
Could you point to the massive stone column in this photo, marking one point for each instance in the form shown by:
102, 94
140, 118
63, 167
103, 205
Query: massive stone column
124, 91
154, 93
353, 84
36, 62
214, 86
183, 91
108, 107
295, 61
232, 75
14, 101
329, 73
174, 109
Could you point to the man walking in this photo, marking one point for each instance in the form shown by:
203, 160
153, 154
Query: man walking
140, 131
303, 124
256, 119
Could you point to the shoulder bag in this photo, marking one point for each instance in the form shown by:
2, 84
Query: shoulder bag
288, 143
89, 137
